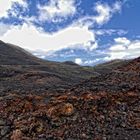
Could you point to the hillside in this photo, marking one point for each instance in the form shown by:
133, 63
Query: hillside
132, 66
110, 65
21, 71
13, 55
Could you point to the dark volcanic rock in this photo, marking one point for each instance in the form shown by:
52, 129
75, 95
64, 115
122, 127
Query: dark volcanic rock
4, 130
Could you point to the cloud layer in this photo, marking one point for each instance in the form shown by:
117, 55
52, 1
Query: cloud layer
32, 37
29, 37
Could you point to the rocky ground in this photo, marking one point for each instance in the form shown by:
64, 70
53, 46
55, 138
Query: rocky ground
38, 102
88, 116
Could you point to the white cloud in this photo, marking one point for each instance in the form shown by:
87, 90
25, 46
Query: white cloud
123, 48
116, 55
121, 44
6, 5
105, 12
93, 46
134, 45
4, 28
91, 62
78, 61
110, 32
30, 37
122, 40
117, 47
117, 6
56, 8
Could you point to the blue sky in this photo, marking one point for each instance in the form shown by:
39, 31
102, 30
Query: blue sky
87, 32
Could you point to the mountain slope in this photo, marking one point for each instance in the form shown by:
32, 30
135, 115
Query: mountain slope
21, 70
111, 65
132, 66
13, 55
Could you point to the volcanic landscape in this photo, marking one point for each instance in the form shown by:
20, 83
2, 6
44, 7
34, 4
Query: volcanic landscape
45, 100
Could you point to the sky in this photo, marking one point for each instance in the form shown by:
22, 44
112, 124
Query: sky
86, 32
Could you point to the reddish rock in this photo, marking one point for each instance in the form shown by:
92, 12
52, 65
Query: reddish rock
16, 135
